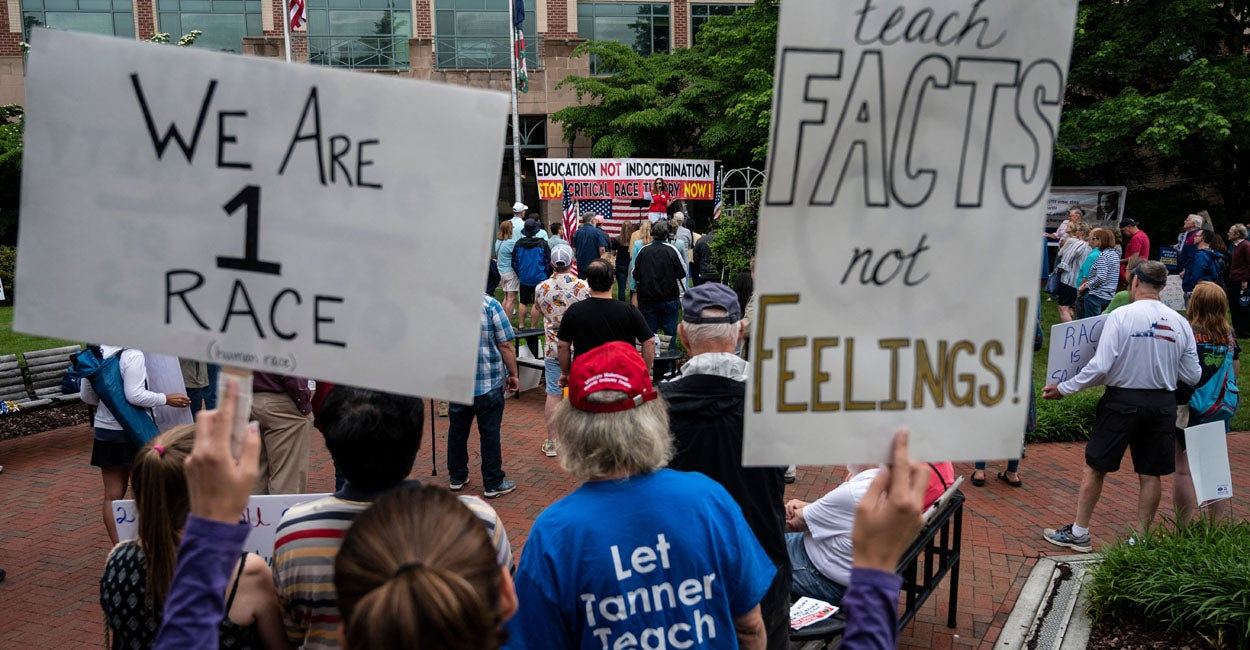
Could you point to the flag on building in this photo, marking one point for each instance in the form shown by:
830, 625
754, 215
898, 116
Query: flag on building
570, 219
518, 24
716, 207
296, 12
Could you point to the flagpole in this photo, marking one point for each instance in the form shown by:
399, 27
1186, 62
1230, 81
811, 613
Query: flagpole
516, 126
286, 29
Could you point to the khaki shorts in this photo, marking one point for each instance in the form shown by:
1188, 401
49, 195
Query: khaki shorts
509, 281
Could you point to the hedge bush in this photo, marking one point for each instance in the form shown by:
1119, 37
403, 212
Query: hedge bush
1193, 578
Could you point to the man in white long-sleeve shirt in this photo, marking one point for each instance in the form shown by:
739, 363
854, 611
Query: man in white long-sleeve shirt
1144, 348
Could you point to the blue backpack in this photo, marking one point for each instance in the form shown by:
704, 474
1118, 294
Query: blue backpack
530, 263
105, 376
1217, 398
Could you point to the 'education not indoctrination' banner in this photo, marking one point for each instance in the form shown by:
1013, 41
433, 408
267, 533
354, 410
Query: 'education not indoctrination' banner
624, 178
909, 163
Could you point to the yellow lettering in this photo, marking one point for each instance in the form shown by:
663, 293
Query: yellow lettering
851, 403
988, 399
893, 345
969, 380
925, 377
761, 353
783, 375
819, 377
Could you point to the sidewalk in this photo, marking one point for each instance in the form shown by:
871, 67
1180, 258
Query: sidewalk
53, 545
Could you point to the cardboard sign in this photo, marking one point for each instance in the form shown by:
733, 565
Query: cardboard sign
624, 178
1072, 345
263, 514
285, 218
909, 164
1206, 445
1103, 206
1172, 294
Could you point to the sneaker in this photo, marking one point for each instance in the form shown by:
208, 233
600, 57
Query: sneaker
1064, 537
791, 474
502, 489
549, 448
456, 486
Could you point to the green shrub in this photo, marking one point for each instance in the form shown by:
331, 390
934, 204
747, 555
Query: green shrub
735, 241
1067, 420
1194, 579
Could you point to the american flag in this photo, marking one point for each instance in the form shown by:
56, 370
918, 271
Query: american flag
716, 208
518, 23
296, 8
570, 218
615, 213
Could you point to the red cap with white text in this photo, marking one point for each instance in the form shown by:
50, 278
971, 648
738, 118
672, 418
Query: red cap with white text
611, 366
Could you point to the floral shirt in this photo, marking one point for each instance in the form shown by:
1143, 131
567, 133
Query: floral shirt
551, 298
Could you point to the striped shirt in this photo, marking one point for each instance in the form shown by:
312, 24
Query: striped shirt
308, 539
1105, 275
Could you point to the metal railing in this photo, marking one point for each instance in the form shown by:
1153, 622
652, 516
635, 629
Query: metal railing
482, 52
388, 51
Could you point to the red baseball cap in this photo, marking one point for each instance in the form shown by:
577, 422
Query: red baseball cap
611, 366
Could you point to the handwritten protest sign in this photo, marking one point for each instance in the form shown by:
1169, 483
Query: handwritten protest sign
285, 218
1173, 294
623, 178
1072, 345
909, 163
1206, 445
262, 514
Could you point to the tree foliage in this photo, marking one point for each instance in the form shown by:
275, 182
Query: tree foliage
709, 100
1156, 100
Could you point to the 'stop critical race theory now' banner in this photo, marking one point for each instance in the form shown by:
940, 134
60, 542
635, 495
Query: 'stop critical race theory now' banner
624, 178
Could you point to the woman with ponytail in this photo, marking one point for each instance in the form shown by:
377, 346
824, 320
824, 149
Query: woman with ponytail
417, 570
138, 573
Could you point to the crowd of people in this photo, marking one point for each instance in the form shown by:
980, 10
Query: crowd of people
385, 561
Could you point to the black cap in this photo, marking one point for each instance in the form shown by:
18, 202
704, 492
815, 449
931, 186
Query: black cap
1125, 223
710, 294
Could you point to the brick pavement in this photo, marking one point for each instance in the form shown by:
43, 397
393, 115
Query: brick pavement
53, 545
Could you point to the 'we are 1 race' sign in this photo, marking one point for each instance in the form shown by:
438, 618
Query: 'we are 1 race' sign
285, 218
899, 249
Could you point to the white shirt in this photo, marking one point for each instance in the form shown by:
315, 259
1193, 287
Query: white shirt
1144, 345
135, 381
829, 520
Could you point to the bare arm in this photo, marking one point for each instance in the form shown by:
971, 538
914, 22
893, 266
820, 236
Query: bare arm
648, 352
566, 360
795, 523
507, 350
260, 595
750, 630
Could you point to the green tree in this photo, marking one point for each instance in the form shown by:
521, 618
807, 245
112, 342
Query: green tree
710, 100
1157, 91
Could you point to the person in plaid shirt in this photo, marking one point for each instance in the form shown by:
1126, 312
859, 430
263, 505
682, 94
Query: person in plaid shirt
496, 369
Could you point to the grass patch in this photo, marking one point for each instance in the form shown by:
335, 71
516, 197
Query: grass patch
11, 342
1071, 418
1193, 579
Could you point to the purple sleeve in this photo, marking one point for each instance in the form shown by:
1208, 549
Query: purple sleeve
297, 388
207, 556
871, 610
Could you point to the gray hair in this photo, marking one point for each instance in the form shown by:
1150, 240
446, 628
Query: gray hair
702, 334
679, 218
1155, 271
660, 230
597, 446
1240, 229
1197, 219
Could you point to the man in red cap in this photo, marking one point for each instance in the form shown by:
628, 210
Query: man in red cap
638, 554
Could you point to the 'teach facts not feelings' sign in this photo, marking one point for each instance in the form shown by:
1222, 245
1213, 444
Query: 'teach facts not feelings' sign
285, 218
909, 161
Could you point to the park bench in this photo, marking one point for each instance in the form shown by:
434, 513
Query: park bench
45, 368
933, 554
12, 381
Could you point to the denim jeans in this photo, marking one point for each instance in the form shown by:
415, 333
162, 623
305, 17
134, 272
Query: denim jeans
197, 397
622, 286
210, 393
1090, 305
807, 579
488, 407
661, 316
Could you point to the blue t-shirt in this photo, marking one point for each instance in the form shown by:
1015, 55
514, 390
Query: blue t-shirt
586, 243
665, 559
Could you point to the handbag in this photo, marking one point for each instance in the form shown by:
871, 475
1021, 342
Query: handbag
1052, 282
105, 376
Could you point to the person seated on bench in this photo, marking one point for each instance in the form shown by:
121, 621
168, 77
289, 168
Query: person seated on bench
819, 537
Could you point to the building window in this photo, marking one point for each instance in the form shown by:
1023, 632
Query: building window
224, 23
359, 33
476, 35
108, 17
639, 25
699, 13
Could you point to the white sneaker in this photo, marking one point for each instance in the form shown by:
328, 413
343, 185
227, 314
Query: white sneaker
549, 448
